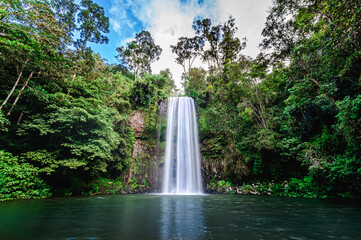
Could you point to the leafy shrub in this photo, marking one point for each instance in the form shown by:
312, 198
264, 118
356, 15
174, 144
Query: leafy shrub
220, 186
82, 136
20, 180
305, 187
3, 122
345, 176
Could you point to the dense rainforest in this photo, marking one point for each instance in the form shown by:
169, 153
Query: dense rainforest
285, 123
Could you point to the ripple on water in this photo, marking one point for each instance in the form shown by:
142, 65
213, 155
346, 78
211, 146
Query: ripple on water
179, 217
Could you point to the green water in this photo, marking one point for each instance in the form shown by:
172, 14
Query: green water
180, 217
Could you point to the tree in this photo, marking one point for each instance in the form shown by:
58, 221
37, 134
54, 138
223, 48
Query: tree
77, 136
223, 47
66, 132
19, 180
186, 50
139, 54
65, 13
279, 32
93, 24
212, 34
320, 41
230, 46
32, 43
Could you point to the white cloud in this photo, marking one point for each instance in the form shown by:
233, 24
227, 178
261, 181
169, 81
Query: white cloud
167, 20
115, 24
122, 20
170, 22
250, 18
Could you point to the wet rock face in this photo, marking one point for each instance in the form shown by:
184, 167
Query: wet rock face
210, 169
230, 166
144, 168
136, 121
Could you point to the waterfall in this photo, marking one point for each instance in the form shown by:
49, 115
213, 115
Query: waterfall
182, 169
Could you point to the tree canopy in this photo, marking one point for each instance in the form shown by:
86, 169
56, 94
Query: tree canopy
139, 54
291, 114
63, 111
288, 119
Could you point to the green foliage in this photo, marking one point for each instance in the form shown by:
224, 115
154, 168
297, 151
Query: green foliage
63, 109
187, 49
220, 186
106, 186
73, 138
19, 180
64, 112
139, 53
149, 90
93, 24
298, 123
344, 174
349, 121
224, 46
3, 123
81, 132
305, 187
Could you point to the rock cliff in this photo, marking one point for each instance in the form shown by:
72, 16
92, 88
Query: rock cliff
146, 166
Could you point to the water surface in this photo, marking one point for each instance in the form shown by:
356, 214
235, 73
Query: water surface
180, 217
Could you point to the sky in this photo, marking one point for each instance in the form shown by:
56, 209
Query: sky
168, 20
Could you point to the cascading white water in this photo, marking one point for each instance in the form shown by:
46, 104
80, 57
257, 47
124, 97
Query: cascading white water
182, 169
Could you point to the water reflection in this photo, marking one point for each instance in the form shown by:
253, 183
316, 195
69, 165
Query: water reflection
182, 217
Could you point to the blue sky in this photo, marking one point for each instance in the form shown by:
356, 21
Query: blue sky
167, 20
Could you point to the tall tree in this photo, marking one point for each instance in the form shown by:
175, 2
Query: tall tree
140, 53
223, 47
212, 34
93, 24
65, 13
230, 46
187, 50
31, 40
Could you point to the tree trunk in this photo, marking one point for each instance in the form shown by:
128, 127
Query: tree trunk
15, 85
21, 114
78, 57
85, 41
21, 91
20, 117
